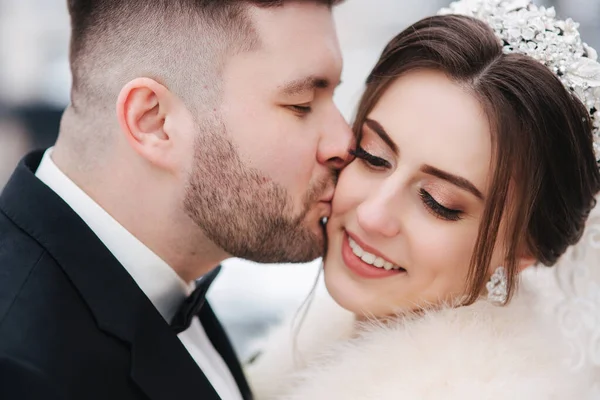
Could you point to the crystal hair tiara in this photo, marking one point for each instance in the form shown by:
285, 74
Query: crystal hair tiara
528, 29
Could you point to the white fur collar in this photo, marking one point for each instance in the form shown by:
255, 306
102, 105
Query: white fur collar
475, 352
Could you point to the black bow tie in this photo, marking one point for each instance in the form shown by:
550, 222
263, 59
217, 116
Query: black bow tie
192, 305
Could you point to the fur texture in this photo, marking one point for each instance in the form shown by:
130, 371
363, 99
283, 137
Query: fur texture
477, 352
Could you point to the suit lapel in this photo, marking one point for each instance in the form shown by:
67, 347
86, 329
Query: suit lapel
221, 343
162, 371
160, 364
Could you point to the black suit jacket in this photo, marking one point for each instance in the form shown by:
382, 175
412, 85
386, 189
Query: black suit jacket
73, 323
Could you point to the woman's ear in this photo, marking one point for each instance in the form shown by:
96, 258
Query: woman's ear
525, 260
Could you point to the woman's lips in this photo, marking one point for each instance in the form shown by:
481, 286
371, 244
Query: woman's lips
361, 268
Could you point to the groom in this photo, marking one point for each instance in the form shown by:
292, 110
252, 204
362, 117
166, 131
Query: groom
197, 131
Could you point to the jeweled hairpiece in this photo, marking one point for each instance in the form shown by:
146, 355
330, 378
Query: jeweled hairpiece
528, 29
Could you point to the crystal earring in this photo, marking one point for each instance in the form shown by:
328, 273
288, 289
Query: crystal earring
497, 287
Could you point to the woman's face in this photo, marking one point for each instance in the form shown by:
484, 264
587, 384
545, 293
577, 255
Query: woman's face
406, 212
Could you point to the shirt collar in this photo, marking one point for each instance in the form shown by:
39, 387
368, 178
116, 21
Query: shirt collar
161, 284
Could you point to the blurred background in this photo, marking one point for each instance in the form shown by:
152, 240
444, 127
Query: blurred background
34, 90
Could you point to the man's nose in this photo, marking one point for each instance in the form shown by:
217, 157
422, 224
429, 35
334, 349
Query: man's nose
335, 142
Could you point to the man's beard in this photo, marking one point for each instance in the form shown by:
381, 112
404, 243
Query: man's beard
242, 211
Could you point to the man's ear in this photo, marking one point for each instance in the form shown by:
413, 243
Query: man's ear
142, 108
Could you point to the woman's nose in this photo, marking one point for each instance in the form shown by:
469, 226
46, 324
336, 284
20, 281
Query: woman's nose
378, 216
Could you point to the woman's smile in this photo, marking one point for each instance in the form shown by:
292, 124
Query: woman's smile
367, 264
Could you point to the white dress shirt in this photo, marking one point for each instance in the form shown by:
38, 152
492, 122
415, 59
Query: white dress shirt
161, 284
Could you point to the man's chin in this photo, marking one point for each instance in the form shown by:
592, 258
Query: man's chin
319, 233
305, 245
311, 247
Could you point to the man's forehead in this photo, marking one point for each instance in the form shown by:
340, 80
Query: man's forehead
301, 68
295, 23
298, 48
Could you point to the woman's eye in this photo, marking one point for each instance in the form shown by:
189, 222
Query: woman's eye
369, 158
439, 210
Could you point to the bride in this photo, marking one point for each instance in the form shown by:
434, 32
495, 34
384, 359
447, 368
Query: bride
474, 161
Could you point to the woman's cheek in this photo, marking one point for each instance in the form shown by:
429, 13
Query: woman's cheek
351, 190
445, 252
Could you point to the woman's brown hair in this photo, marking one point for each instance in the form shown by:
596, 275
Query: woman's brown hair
544, 167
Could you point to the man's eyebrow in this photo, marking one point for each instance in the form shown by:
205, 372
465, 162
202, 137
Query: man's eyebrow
307, 84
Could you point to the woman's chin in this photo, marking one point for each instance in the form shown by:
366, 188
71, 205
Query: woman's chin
347, 293
362, 300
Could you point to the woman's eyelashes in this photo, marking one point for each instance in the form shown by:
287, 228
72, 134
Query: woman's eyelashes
301, 109
437, 209
370, 159
432, 205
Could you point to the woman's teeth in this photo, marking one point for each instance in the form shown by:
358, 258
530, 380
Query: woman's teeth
369, 258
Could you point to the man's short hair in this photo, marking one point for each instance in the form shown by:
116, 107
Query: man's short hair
180, 43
